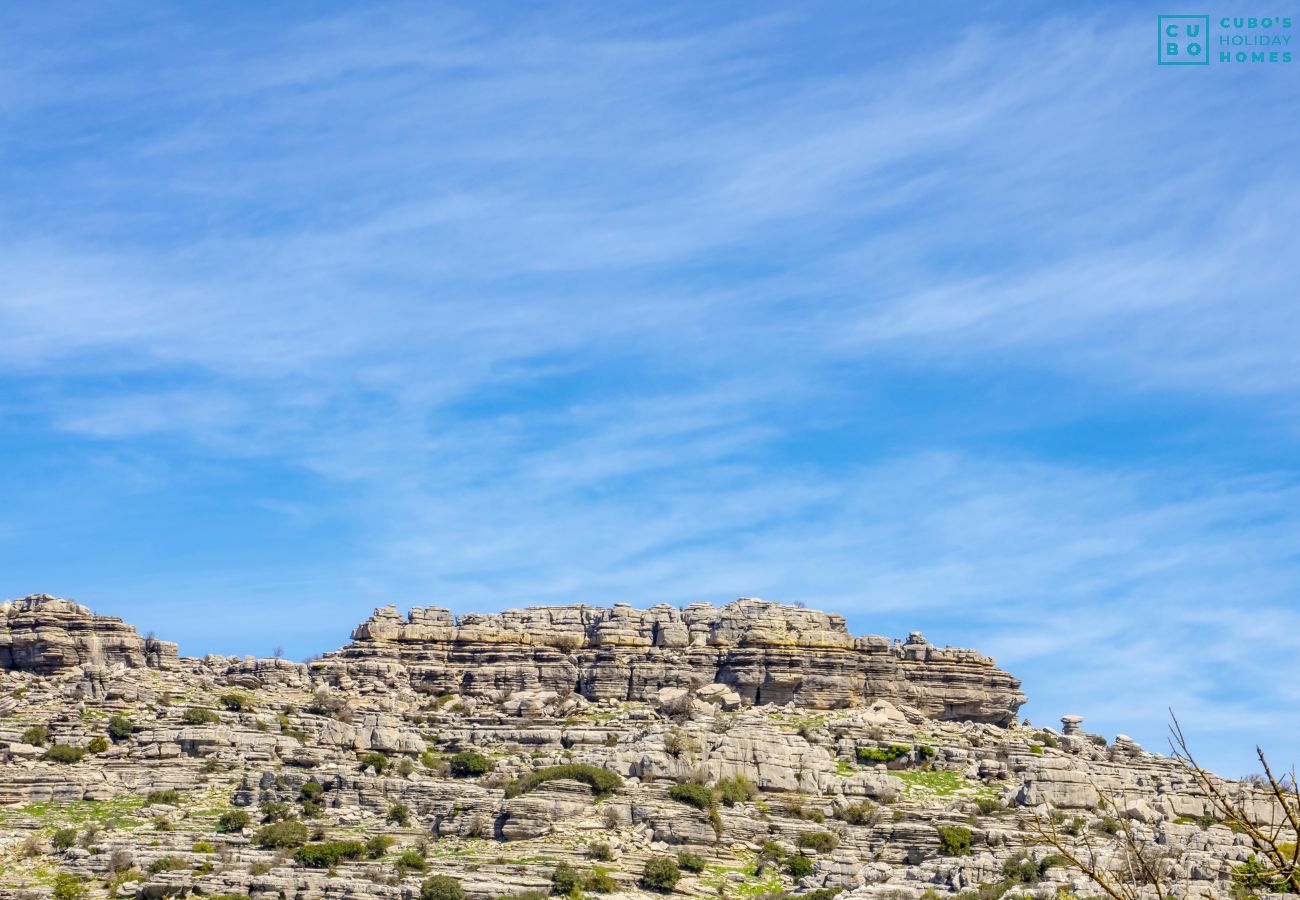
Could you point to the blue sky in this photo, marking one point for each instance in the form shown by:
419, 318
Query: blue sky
960, 318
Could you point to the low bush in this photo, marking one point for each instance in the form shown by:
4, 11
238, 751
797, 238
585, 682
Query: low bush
737, 789
98, 744
376, 761
276, 811
601, 781
883, 754
166, 864
36, 735
203, 847
281, 835
64, 753
599, 881
328, 855
120, 727
692, 794
411, 861
690, 862
798, 866
168, 797
469, 764
199, 715
660, 874
311, 791
600, 850
441, 887
863, 813
235, 701
378, 845
68, 887
818, 841
398, 814
954, 840
64, 838
565, 879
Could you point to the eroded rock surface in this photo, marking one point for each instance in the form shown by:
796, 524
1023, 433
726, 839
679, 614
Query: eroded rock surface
764, 652
820, 761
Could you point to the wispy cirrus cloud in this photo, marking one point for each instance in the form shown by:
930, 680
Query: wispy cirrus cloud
962, 332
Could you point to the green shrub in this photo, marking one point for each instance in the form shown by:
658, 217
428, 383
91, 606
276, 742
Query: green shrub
818, 841
376, 761
36, 735
1046, 739
198, 715
599, 881
601, 781
600, 850
771, 851
327, 855
203, 847
1036, 749
954, 840
883, 754
692, 794
737, 789
398, 814
311, 791
166, 864
988, 806
925, 752
68, 887
565, 879
64, 838
441, 887
169, 797
286, 834
469, 764
120, 727
98, 744
863, 813
798, 866
690, 862
378, 845
276, 812
63, 753
235, 702
1108, 825
411, 861
660, 873
1020, 869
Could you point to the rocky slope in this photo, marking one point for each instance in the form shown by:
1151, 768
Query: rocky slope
761, 745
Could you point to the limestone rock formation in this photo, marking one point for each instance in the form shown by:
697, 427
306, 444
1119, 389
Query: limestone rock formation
49, 635
762, 746
764, 652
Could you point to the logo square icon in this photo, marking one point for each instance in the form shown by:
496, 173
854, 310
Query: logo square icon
1183, 40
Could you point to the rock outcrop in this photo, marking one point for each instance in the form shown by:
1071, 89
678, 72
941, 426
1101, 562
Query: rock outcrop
50, 635
764, 652
762, 746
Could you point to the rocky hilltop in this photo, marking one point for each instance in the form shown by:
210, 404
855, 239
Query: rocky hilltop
764, 653
752, 749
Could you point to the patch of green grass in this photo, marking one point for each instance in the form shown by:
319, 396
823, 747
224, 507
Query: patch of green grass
753, 885
844, 768
938, 784
119, 812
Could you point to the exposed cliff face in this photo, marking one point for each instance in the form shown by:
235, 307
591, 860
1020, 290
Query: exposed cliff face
765, 652
853, 779
49, 635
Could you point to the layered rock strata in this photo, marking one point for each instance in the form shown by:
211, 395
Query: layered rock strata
50, 635
765, 652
